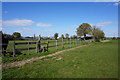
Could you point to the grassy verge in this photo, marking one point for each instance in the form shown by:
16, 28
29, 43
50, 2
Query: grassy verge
98, 60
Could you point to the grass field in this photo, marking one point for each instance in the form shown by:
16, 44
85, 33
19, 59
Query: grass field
24, 54
97, 60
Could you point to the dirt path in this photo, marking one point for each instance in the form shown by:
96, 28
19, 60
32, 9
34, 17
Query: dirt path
105, 41
20, 63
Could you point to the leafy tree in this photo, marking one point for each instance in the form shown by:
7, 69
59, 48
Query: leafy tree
84, 29
102, 34
16, 35
8, 36
71, 37
56, 35
34, 36
62, 36
67, 35
97, 34
74, 36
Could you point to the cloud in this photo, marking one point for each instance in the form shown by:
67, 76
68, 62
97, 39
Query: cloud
102, 23
27, 29
116, 4
111, 33
71, 25
43, 25
17, 22
17, 31
74, 25
0, 28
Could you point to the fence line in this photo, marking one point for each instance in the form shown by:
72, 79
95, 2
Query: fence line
38, 44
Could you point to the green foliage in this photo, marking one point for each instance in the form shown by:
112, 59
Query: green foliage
62, 36
84, 29
71, 37
97, 34
67, 35
114, 38
8, 36
74, 36
56, 35
16, 35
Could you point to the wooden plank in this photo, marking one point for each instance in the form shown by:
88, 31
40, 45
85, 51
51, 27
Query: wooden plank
32, 42
32, 48
21, 43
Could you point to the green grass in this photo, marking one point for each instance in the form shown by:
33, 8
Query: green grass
24, 54
98, 60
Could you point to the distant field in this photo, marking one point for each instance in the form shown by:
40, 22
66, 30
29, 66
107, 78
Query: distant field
97, 60
24, 54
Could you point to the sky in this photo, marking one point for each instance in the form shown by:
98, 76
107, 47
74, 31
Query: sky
47, 18
60, 0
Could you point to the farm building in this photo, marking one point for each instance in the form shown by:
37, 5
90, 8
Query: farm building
88, 37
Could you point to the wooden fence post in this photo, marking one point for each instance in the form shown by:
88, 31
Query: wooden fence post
36, 47
56, 44
14, 49
39, 46
76, 42
67, 43
43, 49
73, 42
28, 48
47, 44
70, 42
62, 43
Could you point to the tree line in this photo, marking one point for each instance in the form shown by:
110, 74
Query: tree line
82, 30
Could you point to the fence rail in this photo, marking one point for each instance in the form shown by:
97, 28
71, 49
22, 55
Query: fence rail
67, 42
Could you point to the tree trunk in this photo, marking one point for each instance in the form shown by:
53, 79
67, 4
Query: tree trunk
84, 36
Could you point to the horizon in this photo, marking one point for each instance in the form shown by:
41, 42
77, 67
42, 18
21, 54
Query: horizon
46, 18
